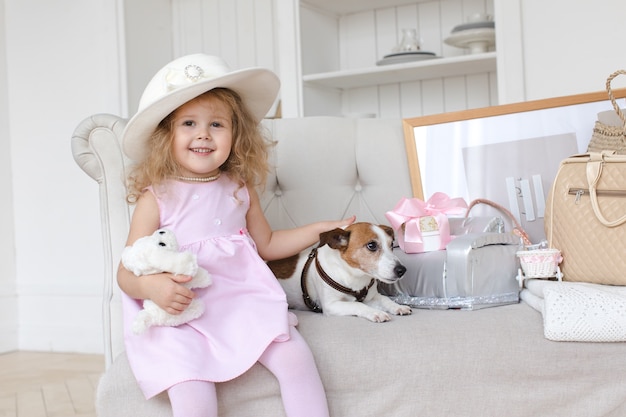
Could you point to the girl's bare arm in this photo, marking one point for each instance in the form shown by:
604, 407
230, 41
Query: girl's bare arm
284, 243
164, 289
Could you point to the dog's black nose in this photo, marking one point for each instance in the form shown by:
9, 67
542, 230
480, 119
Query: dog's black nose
399, 270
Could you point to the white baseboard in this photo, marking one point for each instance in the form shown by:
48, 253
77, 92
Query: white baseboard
8, 323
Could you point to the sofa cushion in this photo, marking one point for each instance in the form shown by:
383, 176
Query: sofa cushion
490, 362
331, 168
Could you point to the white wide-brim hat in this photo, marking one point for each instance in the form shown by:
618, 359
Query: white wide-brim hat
186, 78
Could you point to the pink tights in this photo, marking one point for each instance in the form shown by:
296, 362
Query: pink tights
293, 365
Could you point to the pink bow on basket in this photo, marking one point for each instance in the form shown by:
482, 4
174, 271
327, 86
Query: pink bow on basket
404, 218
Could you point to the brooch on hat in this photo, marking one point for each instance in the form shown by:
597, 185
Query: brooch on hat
193, 72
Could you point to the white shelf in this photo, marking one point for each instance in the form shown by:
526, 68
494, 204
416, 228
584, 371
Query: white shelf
343, 7
411, 71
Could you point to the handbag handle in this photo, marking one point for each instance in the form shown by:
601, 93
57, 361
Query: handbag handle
594, 172
612, 97
518, 230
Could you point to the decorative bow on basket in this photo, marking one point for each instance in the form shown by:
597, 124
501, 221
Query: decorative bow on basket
412, 219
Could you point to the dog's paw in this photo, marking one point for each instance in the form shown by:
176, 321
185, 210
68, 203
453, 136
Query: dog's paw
378, 317
401, 310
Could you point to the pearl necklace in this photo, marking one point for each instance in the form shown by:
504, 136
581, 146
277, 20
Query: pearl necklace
200, 179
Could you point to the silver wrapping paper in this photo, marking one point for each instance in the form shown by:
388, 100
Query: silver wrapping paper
478, 269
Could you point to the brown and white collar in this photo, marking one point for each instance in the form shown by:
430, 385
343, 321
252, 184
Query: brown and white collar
312, 305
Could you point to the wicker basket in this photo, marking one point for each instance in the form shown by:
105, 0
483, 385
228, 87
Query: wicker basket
539, 263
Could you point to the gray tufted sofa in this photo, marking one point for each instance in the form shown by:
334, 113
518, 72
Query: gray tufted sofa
488, 362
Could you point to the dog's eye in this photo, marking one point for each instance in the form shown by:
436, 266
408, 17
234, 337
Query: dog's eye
372, 246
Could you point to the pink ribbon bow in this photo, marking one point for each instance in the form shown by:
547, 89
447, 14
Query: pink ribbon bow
408, 211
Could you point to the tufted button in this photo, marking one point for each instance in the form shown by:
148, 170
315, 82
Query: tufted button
278, 192
358, 188
195, 197
217, 222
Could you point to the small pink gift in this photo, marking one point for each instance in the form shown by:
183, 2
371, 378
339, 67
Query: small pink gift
423, 226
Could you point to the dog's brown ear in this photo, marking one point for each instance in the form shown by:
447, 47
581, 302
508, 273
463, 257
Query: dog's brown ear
387, 230
336, 238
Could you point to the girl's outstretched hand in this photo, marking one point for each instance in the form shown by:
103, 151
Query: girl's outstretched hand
330, 225
347, 222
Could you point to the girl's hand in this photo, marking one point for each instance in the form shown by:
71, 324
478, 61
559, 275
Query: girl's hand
166, 291
341, 223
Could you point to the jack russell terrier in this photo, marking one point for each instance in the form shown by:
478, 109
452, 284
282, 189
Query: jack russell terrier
347, 264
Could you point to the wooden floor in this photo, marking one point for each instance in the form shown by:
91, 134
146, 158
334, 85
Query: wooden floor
34, 384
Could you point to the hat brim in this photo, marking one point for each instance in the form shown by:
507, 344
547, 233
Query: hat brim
257, 87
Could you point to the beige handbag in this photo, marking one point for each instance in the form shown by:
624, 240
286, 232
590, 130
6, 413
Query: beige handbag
586, 217
609, 137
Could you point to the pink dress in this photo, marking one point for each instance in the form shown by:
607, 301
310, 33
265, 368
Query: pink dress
246, 308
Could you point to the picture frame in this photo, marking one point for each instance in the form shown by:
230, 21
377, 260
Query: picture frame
508, 154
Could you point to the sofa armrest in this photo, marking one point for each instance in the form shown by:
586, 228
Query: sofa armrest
97, 150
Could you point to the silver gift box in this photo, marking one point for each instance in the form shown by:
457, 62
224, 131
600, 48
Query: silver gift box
478, 269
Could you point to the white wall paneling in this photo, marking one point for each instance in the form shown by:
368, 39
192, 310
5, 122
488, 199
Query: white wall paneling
9, 317
196, 24
147, 44
242, 31
289, 59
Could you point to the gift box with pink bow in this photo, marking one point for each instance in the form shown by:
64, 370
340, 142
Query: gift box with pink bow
423, 226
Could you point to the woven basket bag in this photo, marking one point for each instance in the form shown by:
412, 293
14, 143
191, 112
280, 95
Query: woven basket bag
605, 137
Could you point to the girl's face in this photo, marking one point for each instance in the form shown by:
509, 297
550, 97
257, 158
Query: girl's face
202, 141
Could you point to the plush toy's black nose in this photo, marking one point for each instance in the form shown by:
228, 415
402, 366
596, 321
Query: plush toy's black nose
162, 244
399, 270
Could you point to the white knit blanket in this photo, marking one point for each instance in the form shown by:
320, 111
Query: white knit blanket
579, 312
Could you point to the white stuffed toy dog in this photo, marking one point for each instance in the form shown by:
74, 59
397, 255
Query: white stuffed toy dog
159, 253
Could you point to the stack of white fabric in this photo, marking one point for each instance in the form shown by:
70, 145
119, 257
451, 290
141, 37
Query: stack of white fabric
580, 312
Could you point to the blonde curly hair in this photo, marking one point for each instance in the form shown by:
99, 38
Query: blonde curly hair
247, 163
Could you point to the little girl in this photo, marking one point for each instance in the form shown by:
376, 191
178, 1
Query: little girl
199, 155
